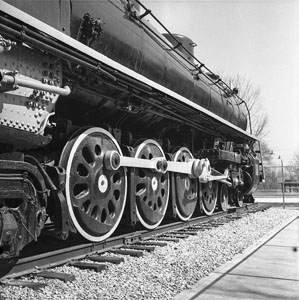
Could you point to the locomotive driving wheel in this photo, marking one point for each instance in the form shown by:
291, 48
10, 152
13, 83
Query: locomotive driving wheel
151, 188
95, 194
209, 196
223, 197
238, 200
185, 188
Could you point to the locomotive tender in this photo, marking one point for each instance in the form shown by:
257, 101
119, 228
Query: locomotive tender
106, 121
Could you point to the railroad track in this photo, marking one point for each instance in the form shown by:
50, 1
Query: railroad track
125, 244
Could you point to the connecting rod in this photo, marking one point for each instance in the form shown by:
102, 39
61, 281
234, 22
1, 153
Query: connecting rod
194, 168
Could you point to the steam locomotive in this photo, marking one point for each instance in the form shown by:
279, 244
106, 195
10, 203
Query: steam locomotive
106, 121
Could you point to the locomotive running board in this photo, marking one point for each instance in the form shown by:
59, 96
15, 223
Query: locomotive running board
85, 50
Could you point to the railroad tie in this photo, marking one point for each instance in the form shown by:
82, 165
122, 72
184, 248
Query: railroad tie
25, 283
110, 259
57, 275
187, 232
89, 266
175, 235
151, 243
167, 239
134, 253
140, 247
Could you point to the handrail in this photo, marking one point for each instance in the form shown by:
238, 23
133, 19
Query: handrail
196, 68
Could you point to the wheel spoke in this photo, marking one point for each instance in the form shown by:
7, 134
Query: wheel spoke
209, 196
185, 189
95, 196
223, 197
151, 188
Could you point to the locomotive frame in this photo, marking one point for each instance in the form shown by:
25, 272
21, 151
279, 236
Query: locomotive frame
86, 139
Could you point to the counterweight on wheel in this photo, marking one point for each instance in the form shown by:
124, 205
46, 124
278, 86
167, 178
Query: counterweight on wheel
95, 194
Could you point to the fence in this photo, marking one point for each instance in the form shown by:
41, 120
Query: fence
275, 175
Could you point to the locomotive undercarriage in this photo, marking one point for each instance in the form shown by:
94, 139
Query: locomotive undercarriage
23, 203
102, 168
111, 147
98, 178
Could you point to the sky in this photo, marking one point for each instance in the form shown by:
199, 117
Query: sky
258, 39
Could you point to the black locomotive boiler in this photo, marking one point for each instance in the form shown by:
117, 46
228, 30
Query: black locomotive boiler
106, 121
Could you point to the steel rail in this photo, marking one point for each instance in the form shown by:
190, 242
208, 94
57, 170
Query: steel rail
13, 268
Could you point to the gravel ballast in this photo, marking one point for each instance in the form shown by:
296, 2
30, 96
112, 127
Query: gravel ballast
165, 272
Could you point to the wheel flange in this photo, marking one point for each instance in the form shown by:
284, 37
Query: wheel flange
95, 194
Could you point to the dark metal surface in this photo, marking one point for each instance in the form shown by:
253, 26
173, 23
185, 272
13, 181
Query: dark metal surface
140, 51
53, 12
223, 197
151, 188
209, 196
22, 213
60, 50
96, 196
139, 86
184, 190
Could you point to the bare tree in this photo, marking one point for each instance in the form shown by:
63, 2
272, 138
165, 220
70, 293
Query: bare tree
253, 98
267, 153
295, 166
259, 120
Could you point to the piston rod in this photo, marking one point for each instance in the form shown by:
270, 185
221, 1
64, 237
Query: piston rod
16, 81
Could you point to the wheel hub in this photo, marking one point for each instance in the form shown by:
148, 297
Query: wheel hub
95, 193
223, 197
154, 183
185, 188
187, 184
102, 184
151, 188
209, 196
